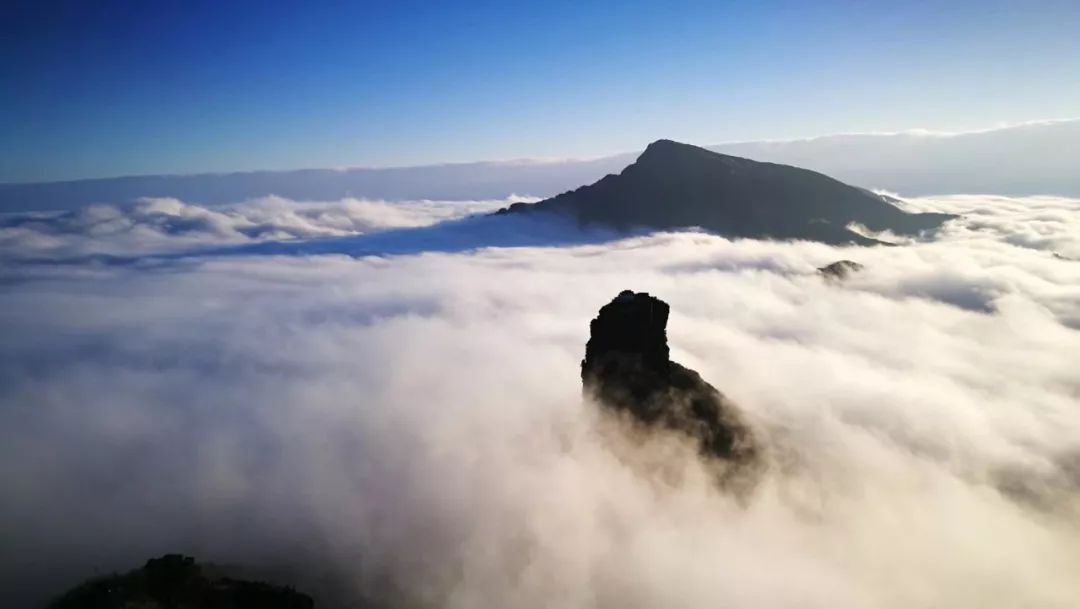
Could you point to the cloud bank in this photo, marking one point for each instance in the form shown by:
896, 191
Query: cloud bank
168, 225
411, 427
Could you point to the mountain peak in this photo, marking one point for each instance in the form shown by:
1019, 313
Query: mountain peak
669, 148
674, 185
662, 144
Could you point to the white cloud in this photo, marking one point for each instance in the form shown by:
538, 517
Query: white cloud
156, 225
415, 423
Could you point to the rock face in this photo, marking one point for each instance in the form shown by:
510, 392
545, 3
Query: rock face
841, 269
174, 581
673, 185
627, 369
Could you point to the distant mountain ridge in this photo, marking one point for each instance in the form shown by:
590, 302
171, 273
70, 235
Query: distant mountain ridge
675, 185
455, 182
1032, 159
1037, 158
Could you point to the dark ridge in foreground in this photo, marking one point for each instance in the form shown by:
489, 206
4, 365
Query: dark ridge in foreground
627, 369
178, 582
673, 185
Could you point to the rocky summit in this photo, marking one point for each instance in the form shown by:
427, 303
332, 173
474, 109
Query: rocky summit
841, 269
674, 185
627, 369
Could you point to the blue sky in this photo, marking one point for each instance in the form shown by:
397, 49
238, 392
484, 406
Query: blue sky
94, 89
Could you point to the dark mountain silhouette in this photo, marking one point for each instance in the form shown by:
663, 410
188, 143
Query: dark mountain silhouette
673, 185
628, 370
175, 581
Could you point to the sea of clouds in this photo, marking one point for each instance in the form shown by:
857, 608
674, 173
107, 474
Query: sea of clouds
161, 225
411, 427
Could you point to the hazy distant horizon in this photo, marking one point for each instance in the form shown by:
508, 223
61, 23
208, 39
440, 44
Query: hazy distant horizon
542, 160
1034, 158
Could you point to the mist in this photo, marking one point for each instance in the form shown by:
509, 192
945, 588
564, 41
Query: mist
409, 430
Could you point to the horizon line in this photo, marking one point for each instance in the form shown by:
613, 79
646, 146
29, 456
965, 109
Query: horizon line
917, 131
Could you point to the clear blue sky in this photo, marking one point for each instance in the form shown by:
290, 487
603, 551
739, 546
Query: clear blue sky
92, 89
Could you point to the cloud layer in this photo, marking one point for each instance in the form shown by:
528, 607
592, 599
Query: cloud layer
412, 427
166, 225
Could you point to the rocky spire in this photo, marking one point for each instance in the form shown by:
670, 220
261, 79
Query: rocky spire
627, 369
